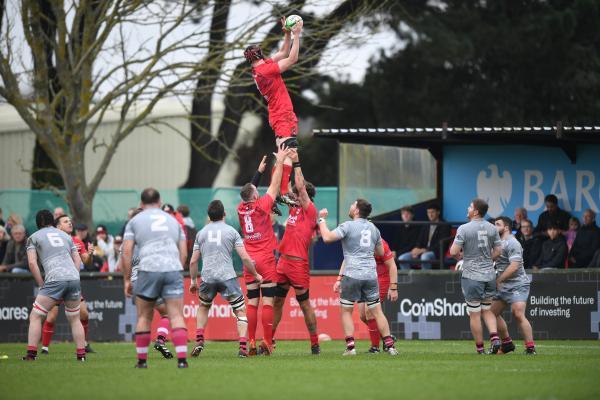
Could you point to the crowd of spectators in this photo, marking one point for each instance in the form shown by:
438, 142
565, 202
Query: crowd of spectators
558, 240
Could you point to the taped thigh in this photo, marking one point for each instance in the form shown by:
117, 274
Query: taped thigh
473, 307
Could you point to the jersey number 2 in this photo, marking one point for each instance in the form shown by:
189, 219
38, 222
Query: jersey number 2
159, 223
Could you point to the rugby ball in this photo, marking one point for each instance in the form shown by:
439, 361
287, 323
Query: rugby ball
291, 21
323, 337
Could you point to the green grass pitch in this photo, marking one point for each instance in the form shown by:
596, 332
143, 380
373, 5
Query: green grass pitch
424, 370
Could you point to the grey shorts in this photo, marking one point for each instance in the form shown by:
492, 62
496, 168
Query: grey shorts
477, 290
158, 302
61, 290
518, 294
152, 285
357, 290
230, 290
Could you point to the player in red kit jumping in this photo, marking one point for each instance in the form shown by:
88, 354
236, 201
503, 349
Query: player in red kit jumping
267, 75
293, 268
254, 213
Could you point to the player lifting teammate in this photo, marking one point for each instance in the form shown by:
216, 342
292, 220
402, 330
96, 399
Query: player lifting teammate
512, 288
215, 243
254, 214
480, 243
267, 75
361, 240
293, 268
59, 256
162, 251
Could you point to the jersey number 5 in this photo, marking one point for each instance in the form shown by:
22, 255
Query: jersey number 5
159, 223
55, 240
482, 239
365, 238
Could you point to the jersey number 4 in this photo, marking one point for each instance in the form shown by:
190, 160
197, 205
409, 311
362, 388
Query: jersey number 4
214, 237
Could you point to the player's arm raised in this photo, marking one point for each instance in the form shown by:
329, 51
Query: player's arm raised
34, 267
276, 178
285, 46
194, 271
327, 235
248, 262
292, 58
299, 180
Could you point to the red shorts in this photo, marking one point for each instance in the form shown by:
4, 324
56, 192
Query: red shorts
265, 266
384, 286
294, 272
286, 126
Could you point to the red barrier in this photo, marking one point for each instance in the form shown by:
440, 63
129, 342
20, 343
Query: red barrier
222, 323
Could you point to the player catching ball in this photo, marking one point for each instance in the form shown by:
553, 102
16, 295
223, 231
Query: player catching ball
267, 75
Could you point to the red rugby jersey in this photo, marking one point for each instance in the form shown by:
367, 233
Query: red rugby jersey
383, 271
299, 231
255, 221
270, 84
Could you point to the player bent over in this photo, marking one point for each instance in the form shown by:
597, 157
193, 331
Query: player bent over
64, 223
267, 76
481, 244
292, 267
361, 241
59, 256
215, 243
512, 288
162, 251
387, 277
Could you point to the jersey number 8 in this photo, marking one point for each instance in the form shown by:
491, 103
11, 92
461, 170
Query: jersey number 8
365, 238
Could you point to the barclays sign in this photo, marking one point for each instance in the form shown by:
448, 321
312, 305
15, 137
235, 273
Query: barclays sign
508, 177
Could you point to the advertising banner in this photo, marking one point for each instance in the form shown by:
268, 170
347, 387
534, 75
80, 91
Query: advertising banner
508, 177
562, 305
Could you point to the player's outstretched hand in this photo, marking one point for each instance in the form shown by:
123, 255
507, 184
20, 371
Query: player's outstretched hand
193, 287
323, 213
336, 286
283, 27
282, 154
127, 288
263, 165
392, 295
297, 28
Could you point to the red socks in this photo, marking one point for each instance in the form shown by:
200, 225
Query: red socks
142, 341
180, 341
163, 330
373, 332
314, 339
80, 353
47, 333
252, 315
267, 323
200, 335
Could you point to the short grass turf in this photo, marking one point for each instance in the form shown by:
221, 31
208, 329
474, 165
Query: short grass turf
423, 370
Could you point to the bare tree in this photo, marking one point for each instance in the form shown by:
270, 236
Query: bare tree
91, 58
241, 95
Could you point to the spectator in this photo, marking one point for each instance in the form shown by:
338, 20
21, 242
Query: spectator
552, 216
406, 236
3, 242
572, 232
520, 215
13, 219
554, 250
81, 231
595, 263
427, 247
185, 214
15, 258
112, 255
2, 223
130, 213
586, 242
532, 244
170, 210
104, 241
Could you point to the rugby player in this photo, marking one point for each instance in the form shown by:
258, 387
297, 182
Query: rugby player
254, 214
270, 84
512, 286
293, 268
480, 245
60, 258
162, 251
215, 243
357, 282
